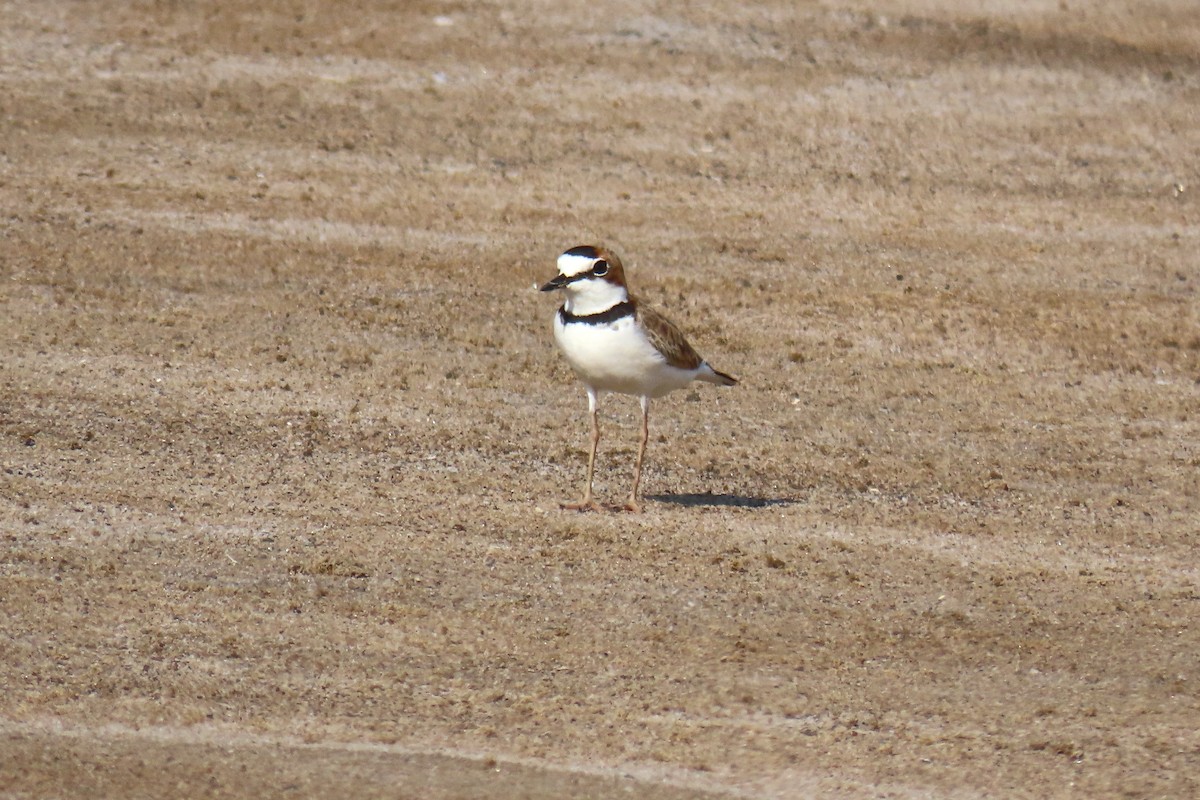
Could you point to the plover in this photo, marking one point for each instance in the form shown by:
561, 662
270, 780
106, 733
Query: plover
616, 344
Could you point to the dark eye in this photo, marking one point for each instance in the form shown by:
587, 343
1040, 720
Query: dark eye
600, 269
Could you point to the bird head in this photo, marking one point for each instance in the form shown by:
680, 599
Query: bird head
592, 277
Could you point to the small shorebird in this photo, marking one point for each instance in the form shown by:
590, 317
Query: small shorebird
616, 344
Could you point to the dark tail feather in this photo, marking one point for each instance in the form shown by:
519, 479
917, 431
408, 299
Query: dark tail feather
716, 376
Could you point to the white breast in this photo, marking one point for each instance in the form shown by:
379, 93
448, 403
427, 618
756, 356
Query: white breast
617, 357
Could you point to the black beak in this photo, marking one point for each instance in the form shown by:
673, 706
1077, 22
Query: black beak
557, 282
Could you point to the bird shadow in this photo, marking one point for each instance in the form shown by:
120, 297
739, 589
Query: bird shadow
702, 499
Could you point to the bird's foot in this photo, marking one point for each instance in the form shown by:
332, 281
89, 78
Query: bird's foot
632, 506
586, 504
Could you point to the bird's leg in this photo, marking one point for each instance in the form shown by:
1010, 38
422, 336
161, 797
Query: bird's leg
633, 504
587, 503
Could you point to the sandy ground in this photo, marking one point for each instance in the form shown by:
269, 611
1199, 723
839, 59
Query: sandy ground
283, 431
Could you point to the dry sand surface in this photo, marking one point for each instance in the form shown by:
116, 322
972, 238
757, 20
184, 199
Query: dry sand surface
283, 431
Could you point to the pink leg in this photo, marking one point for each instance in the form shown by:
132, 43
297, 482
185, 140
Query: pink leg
633, 504
587, 503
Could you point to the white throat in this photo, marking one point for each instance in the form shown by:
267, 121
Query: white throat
592, 296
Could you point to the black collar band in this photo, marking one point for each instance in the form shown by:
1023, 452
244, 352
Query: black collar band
622, 309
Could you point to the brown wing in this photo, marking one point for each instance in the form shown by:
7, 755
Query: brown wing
667, 339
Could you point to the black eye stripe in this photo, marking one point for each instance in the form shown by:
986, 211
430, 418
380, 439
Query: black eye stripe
600, 268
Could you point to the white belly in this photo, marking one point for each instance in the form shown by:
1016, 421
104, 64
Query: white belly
615, 357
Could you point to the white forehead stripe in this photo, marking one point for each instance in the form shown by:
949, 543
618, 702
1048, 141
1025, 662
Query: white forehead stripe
571, 266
